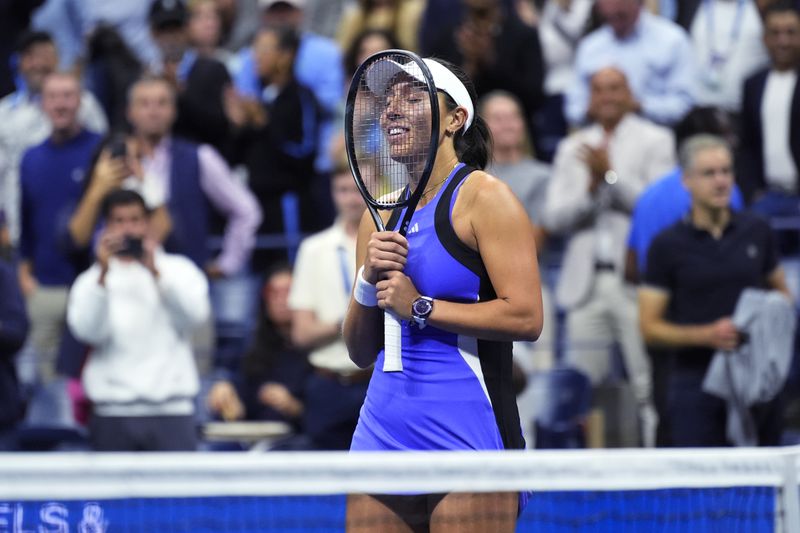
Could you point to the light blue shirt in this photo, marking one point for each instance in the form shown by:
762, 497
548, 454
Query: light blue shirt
657, 59
63, 20
668, 9
660, 205
319, 67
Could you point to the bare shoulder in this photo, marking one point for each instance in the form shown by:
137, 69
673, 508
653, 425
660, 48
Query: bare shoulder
482, 190
486, 204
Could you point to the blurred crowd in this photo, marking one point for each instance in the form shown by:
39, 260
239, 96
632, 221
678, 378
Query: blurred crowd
178, 218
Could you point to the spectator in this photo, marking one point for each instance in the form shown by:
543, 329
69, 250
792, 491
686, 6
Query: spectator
318, 66
199, 81
23, 123
278, 141
137, 306
364, 45
63, 20
15, 17
769, 155
239, 21
183, 176
654, 53
561, 26
666, 200
129, 18
727, 40
323, 16
661, 204
323, 277
205, 30
496, 50
274, 370
511, 161
13, 330
51, 179
400, 17
599, 172
111, 69
696, 270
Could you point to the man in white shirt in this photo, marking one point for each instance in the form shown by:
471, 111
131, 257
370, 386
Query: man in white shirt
727, 39
598, 173
321, 287
769, 145
654, 53
768, 158
137, 307
23, 123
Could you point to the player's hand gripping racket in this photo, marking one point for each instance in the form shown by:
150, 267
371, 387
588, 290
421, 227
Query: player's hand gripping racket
391, 133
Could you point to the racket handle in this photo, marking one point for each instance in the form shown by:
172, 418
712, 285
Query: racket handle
392, 343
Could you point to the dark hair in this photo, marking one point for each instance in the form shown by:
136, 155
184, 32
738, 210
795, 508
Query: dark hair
29, 39
288, 38
111, 70
704, 119
259, 357
473, 147
146, 79
351, 54
779, 6
120, 197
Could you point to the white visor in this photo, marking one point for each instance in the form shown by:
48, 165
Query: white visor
379, 79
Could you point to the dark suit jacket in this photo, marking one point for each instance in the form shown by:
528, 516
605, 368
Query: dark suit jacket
687, 9
201, 113
750, 164
13, 330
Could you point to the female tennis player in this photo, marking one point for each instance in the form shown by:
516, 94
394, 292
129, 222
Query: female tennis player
465, 284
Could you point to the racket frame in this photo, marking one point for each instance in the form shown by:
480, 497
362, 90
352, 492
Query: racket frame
392, 330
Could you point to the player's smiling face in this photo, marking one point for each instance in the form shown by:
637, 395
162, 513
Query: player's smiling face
406, 120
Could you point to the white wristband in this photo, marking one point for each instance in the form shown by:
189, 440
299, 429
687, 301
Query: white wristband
365, 292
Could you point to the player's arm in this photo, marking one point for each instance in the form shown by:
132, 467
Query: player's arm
377, 252
658, 331
488, 218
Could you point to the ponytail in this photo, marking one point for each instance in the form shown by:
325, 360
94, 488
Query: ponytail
473, 146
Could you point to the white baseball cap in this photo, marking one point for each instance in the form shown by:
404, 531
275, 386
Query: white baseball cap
380, 79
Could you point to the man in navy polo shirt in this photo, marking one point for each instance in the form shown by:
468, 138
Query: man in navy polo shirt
696, 270
51, 180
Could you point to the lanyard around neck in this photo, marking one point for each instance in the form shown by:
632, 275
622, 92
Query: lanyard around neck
344, 264
719, 57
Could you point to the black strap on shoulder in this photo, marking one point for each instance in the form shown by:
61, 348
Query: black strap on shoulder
394, 218
444, 228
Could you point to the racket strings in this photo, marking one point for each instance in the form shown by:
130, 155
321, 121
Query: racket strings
391, 129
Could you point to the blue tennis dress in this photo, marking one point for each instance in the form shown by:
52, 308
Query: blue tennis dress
454, 392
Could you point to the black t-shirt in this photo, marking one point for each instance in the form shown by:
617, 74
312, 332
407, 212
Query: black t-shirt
705, 276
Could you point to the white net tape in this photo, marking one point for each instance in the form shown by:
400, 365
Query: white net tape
50, 477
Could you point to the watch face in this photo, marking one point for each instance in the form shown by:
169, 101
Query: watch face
422, 307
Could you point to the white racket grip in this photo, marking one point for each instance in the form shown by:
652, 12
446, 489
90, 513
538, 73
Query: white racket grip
392, 343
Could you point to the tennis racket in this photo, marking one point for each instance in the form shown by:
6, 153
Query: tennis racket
391, 134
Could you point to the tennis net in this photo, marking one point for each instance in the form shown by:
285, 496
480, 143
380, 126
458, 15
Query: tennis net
710, 490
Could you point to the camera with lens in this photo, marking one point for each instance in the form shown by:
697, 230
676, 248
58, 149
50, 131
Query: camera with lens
131, 247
